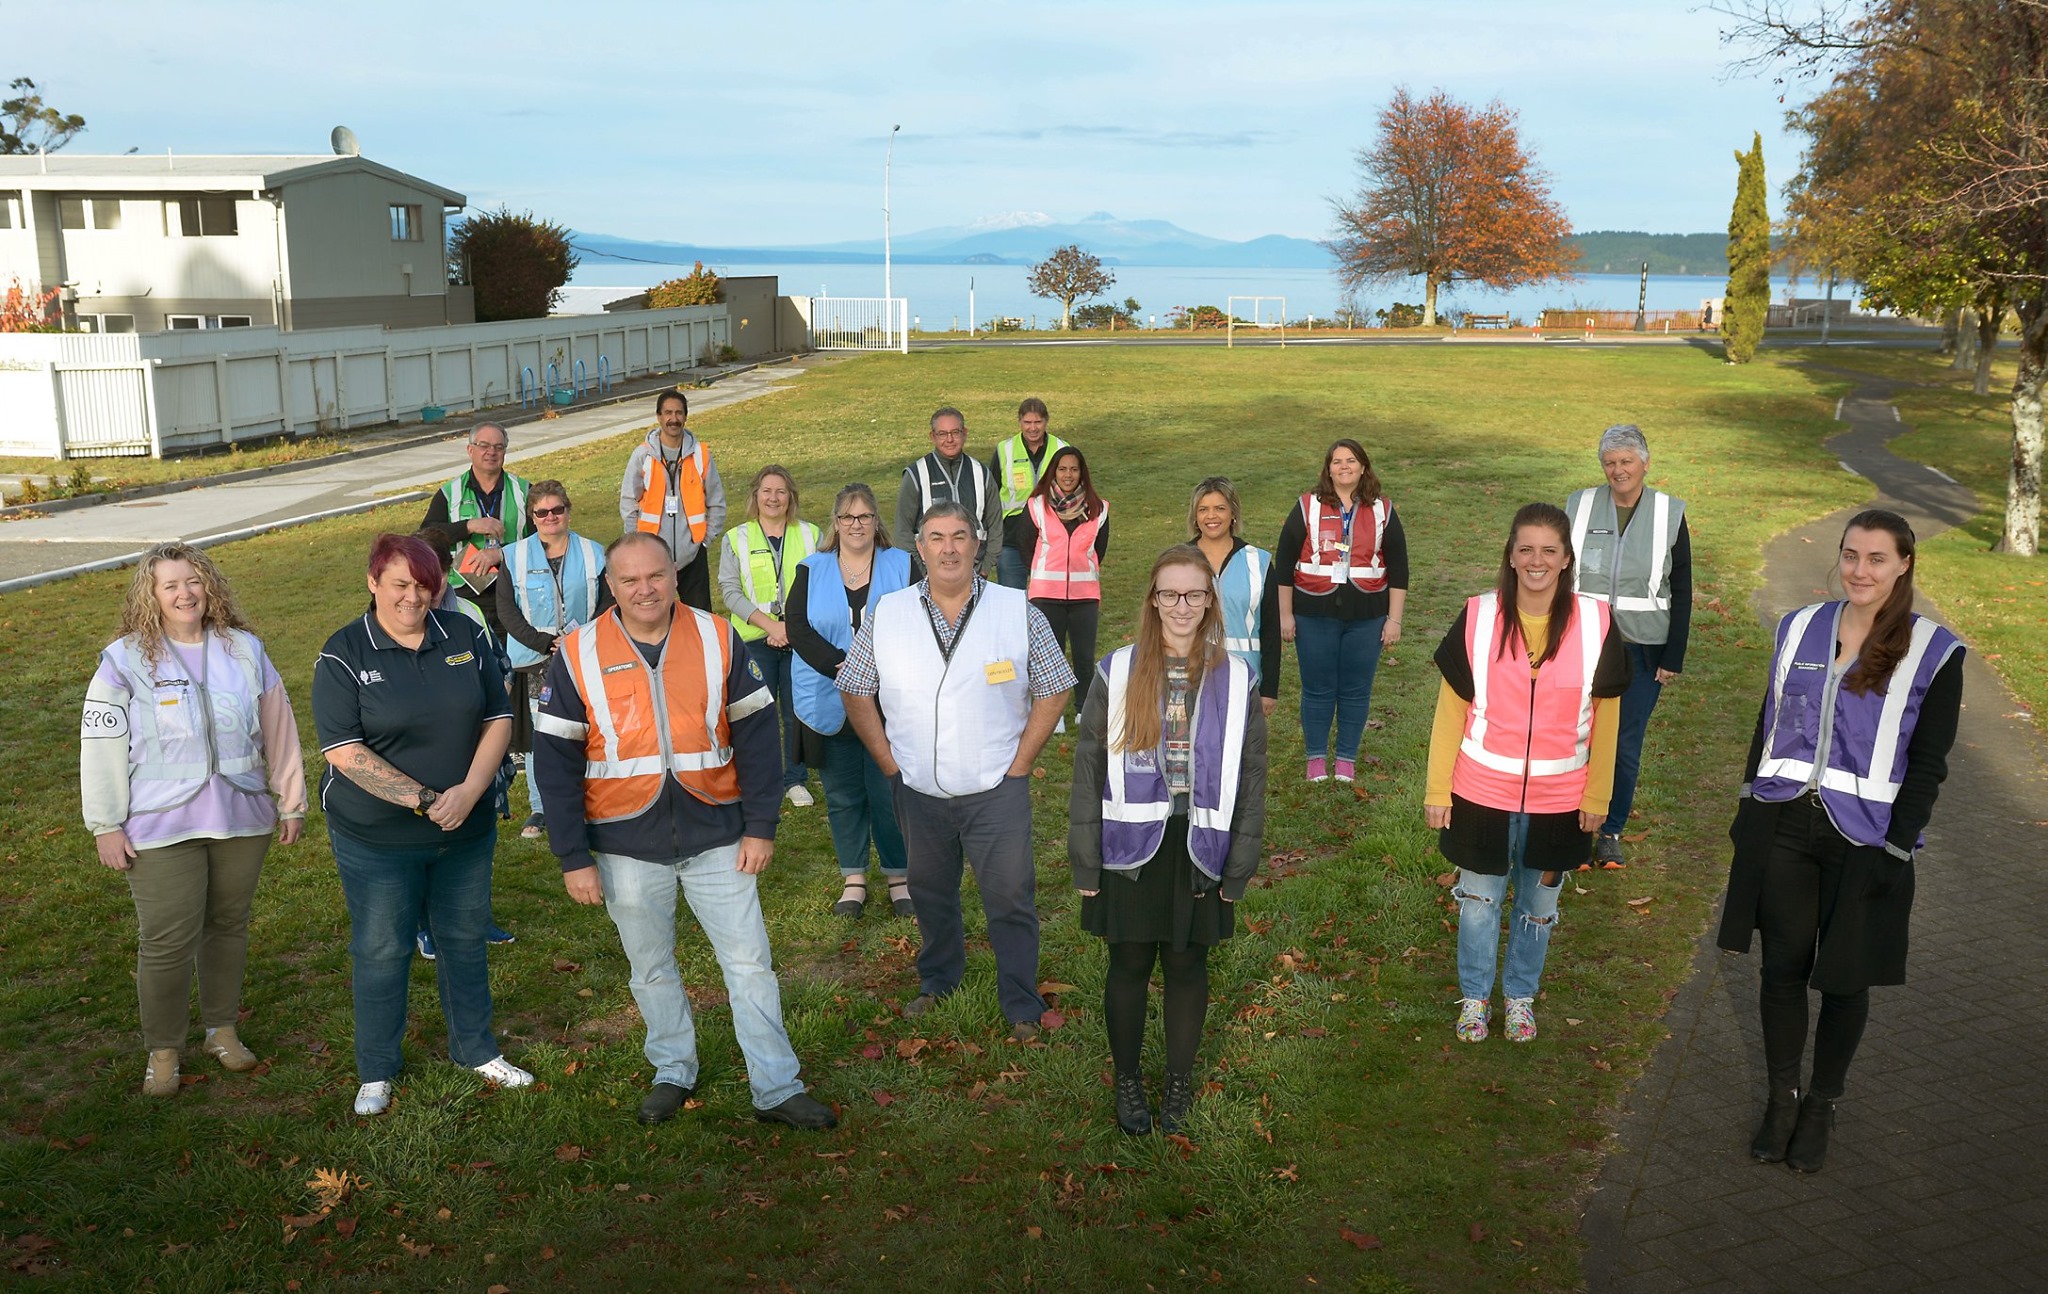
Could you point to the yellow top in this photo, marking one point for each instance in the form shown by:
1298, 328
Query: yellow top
1449, 729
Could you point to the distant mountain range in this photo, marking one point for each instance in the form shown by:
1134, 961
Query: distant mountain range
1025, 237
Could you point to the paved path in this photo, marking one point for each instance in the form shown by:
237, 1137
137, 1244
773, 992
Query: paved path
1937, 1176
38, 549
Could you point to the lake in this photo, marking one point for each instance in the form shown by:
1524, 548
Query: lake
938, 294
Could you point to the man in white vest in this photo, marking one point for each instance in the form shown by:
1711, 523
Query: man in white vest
954, 684
950, 474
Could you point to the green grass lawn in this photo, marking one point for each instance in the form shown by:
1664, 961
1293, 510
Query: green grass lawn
1997, 602
1344, 1138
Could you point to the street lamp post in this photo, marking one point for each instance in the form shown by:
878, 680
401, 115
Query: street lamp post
1643, 300
888, 280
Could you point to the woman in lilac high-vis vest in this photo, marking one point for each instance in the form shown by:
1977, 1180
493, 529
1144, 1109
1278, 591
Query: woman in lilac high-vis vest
1850, 750
1168, 813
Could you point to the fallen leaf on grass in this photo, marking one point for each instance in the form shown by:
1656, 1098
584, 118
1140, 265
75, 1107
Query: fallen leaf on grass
1291, 1173
1316, 1031
1051, 1019
1364, 1240
1476, 1233
873, 1051
882, 1098
568, 1154
1054, 986
907, 1048
563, 966
344, 1227
1647, 898
302, 1221
1573, 1020
1036, 1233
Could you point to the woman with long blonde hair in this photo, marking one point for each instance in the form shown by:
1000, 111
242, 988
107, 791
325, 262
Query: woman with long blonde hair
1168, 817
188, 760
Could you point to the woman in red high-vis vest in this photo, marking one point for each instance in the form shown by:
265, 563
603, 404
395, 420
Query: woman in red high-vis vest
1341, 575
1066, 531
1521, 759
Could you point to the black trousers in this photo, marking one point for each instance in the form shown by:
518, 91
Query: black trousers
1802, 885
693, 582
1073, 626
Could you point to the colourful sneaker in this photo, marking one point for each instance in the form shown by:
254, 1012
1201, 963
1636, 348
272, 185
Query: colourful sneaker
1346, 771
1318, 769
1472, 1019
1521, 1019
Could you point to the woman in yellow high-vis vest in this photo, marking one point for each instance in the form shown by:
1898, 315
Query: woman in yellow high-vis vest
756, 565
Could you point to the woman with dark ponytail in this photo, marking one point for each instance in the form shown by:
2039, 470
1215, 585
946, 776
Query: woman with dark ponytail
1850, 751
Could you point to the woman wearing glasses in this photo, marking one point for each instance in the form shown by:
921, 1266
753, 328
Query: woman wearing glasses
553, 580
1168, 813
832, 591
1066, 531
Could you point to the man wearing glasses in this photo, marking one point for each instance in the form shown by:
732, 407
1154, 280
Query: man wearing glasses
954, 685
488, 504
950, 474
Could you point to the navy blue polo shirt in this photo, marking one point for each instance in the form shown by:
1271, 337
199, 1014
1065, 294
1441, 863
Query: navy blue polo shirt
420, 711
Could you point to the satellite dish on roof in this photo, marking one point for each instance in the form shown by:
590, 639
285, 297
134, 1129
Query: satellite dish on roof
344, 141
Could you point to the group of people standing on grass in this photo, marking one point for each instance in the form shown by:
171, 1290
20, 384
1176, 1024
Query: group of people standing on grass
660, 743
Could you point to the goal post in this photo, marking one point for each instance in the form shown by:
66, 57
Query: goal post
1265, 313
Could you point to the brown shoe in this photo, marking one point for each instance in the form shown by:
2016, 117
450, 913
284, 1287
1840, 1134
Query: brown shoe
225, 1047
161, 1079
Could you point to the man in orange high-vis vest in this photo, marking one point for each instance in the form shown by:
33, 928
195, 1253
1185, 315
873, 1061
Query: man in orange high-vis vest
657, 752
671, 488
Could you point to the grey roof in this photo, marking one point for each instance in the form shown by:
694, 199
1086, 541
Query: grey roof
158, 172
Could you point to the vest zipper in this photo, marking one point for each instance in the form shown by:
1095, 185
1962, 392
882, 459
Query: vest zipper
1529, 742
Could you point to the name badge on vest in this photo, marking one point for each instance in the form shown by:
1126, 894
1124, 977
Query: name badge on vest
1808, 664
1001, 671
671, 506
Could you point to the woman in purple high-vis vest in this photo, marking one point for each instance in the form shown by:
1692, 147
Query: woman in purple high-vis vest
1850, 750
1168, 818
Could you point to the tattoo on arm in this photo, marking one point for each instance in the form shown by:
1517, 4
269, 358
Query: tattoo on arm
359, 764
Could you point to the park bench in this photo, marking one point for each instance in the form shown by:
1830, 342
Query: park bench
1486, 321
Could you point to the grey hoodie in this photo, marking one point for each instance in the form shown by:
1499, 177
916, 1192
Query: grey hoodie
675, 532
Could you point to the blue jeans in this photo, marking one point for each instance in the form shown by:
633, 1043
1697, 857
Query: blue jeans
1479, 899
389, 890
1338, 659
861, 806
1636, 704
1013, 568
641, 898
774, 664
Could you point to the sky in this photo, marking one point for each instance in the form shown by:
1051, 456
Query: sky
741, 124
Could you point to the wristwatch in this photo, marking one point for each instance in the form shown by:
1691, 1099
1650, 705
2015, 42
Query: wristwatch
426, 800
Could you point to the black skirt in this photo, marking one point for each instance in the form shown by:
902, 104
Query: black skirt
1159, 904
525, 682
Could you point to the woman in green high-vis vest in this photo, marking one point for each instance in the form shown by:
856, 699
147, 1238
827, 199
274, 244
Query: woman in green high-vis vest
757, 563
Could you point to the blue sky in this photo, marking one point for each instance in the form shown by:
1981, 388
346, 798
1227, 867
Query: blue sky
729, 123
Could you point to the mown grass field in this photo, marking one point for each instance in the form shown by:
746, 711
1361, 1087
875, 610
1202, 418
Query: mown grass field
1344, 1139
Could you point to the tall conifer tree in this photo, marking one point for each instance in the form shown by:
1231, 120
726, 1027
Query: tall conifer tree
1749, 259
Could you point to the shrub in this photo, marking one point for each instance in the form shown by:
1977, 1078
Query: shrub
700, 287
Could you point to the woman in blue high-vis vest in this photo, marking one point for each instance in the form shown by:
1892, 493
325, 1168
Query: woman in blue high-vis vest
1251, 601
1850, 751
833, 590
1167, 816
553, 581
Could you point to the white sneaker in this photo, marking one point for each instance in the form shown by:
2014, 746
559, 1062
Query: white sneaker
800, 795
503, 1073
1060, 727
373, 1098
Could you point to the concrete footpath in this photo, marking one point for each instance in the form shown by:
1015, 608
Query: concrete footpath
1937, 1175
40, 549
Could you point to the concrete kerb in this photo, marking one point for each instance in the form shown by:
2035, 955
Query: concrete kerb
101, 498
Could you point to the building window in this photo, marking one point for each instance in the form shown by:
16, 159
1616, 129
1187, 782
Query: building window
232, 321
405, 222
193, 323
184, 323
197, 217
107, 323
10, 211
89, 213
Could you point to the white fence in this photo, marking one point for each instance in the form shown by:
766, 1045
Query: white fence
80, 396
858, 323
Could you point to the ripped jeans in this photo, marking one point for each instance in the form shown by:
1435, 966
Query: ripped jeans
1480, 898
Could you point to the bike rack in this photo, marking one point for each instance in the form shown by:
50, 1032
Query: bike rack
529, 393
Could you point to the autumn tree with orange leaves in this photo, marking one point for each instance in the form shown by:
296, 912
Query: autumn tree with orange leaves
1447, 192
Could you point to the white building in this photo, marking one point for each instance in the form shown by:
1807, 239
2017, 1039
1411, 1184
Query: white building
148, 244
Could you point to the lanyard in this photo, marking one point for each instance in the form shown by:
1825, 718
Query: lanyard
931, 619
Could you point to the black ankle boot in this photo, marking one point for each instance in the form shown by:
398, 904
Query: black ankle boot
1133, 1115
1809, 1147
1176, 1101
1776, 1132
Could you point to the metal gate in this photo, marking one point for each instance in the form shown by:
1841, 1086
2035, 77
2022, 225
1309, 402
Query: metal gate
860, 323
105, 410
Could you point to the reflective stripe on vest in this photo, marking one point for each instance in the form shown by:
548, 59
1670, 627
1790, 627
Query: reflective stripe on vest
464, 506
1019, 474
973, 480
1063, 564
1241, 602
1869, 731
682, 726
212, 729
757, 568
1135, 799
1327, 554
1628, 569
540, 602
1526, 747
689, 487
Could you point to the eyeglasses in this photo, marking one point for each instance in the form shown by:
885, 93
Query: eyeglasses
488, 446
957, 433
550, 512
1167, 599
858, 518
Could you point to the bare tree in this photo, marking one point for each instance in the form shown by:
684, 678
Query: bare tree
28, 125
1067, 276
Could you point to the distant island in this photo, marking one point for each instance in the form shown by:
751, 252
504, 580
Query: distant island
1025, 237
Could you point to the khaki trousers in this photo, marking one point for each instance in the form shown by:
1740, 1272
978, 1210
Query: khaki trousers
192, 904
